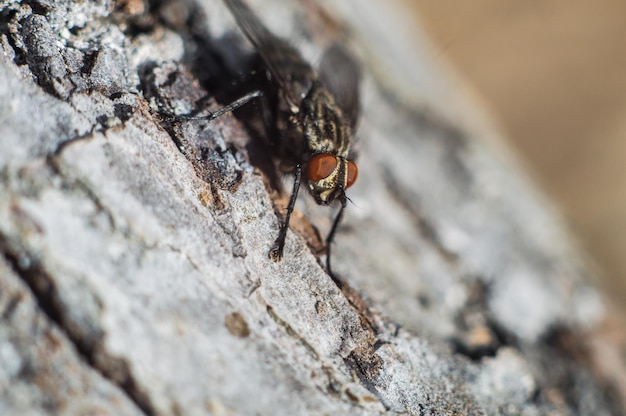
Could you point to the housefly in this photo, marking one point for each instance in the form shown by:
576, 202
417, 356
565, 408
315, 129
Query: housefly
314, 115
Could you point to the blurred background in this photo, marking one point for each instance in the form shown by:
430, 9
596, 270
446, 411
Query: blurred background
554, 74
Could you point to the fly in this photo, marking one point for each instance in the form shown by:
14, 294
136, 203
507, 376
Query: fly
314, 117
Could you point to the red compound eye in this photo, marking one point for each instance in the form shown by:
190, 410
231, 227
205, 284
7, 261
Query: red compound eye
320, 166
353, 172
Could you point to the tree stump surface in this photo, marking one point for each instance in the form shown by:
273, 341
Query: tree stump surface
135, 276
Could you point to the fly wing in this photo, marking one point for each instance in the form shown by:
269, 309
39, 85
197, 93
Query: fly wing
340, 74
285, 63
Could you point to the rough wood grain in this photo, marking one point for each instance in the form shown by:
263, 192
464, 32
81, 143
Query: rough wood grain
134, 268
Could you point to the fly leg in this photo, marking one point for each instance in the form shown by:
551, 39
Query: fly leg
276, 252
227, 108
331, 236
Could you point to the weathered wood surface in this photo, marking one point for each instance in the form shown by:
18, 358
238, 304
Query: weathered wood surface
134, 268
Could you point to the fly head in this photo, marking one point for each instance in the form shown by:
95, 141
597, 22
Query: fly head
328, 176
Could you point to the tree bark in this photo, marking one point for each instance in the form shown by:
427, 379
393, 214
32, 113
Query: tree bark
135, 276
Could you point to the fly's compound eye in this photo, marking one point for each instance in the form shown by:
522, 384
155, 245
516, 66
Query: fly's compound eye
353, 172
321, 166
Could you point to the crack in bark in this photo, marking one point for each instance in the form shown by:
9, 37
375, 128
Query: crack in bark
363, 360
292, 332
88, 346
365, 364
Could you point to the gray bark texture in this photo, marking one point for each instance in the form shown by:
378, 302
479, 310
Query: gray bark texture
134, 269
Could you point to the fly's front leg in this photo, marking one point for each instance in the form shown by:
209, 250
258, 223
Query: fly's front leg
331, 236
276, 252
228, 108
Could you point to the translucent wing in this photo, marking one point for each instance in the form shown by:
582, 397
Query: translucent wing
340, 74
285, 63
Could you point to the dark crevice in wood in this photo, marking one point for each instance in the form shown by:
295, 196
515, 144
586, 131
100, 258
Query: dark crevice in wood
88, 346
365, 364
479, 335
292, 332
